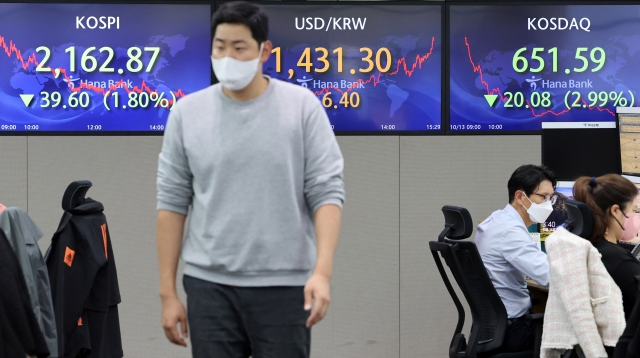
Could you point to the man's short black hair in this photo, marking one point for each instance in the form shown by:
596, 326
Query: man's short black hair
527, 178
245, 13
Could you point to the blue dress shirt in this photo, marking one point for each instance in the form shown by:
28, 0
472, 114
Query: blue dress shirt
509, 255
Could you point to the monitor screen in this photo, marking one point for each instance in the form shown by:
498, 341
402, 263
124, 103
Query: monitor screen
630, 143
515, 66
559, 214
375, 68
574, 152
99, 67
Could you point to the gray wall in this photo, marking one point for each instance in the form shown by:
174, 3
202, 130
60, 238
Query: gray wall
388, 299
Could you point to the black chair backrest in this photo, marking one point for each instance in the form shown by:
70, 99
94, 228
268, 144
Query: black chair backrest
457, 223
75, 193
579, 221
487, 310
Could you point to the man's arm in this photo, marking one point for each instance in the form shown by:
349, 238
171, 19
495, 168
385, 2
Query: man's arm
327, 225
175, 192
524, 255
169, 240
324, 193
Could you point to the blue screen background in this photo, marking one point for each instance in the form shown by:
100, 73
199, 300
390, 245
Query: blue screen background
487, 37
183, 66
402, 99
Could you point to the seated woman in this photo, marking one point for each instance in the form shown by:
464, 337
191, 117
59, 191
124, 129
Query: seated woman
611, 199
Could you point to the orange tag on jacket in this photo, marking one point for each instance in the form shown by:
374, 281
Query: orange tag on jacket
80, 321
104, 238
68, 256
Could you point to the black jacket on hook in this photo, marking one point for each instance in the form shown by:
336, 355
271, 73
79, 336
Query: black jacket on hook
84, 284
20, 332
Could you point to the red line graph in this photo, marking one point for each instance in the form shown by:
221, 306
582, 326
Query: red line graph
478, 68
400, 65
12, 50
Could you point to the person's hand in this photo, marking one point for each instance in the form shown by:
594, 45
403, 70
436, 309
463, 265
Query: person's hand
173, 312
316, 294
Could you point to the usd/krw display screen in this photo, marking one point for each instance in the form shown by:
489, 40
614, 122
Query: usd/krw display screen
99, 67
374, 68
513, 67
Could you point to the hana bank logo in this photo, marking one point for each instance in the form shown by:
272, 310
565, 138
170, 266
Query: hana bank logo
70, 82
303, 81
532, 83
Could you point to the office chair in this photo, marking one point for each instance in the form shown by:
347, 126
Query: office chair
74, 194
489, 316
579, 220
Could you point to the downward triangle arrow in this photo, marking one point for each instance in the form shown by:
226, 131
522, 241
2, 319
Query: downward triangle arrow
491, 99
26, 99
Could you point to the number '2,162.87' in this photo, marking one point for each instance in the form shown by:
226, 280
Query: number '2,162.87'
89, 60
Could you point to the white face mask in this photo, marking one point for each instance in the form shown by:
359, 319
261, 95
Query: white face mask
234, 74
538, 213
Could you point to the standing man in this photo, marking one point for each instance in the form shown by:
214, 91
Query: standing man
254, 164
509, 254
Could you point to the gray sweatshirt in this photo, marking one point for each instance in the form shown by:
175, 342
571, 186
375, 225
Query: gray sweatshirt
253, 174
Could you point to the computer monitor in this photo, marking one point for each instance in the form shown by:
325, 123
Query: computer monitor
572, 150
629, 124
558, 217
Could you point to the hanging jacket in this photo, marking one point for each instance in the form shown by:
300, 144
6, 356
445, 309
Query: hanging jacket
23, 235
585, 304
19, 331
84, 284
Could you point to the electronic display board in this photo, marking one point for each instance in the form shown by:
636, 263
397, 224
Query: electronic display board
99, 67
513, 67
375, 68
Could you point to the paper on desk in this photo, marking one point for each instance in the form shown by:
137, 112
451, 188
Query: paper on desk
535, 236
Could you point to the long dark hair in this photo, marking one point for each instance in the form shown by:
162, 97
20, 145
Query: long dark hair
600, 194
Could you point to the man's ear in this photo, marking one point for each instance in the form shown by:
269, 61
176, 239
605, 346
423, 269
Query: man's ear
518, 195
266, 51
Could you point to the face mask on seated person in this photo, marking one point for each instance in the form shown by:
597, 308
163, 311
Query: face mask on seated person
538, 213
631, 228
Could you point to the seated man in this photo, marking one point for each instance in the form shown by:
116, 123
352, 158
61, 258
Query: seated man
509, 254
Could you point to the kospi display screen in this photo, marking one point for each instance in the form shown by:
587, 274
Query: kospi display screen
99, 67
375, 68
515, 66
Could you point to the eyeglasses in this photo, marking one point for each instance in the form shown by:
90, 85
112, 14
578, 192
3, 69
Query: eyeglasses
551, 198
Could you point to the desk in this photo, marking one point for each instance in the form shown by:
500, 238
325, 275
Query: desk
540, 293
531, 284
